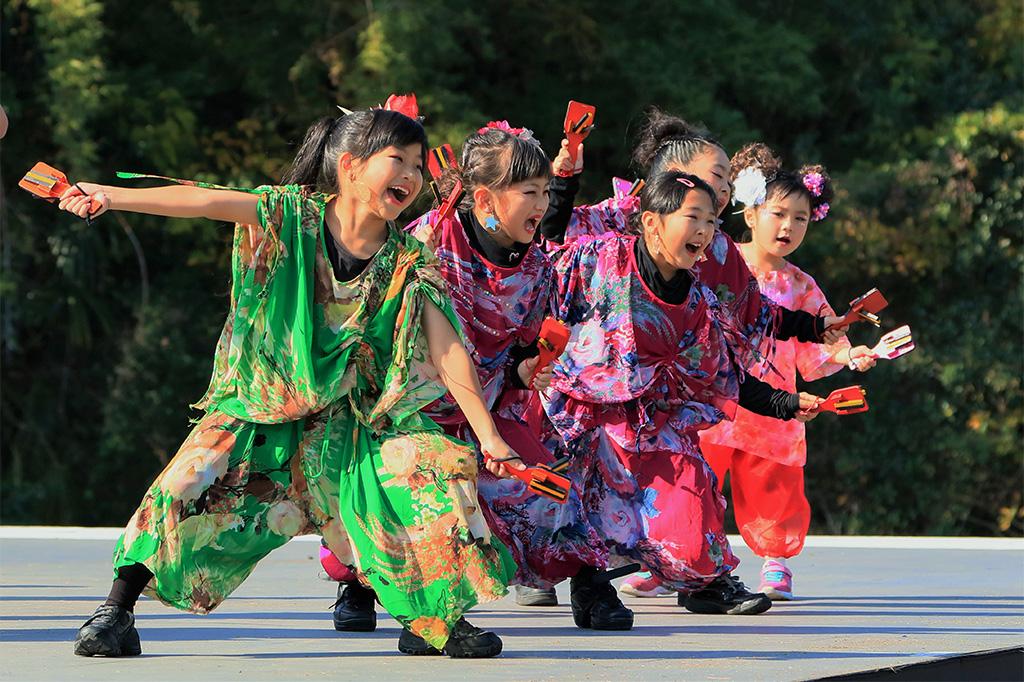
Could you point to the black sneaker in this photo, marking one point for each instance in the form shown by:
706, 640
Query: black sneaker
414, 645
465, 641
468, 641
726, 594
354, 612
596, 605
110, 631
530, 596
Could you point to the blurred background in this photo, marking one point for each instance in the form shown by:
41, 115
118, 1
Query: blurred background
916, 108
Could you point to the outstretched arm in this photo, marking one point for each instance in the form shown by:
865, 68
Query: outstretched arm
764, 399
459, 375
172, 201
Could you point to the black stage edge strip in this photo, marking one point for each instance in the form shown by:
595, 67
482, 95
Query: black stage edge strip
994, 664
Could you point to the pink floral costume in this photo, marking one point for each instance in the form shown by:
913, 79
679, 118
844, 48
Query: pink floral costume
766, 455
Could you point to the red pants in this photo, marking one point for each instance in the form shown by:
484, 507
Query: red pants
768, 500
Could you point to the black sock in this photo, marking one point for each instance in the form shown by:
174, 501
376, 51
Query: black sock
128, 585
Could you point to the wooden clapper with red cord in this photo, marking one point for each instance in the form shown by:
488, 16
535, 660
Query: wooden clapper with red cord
551, 343
46, 182
622, 188
865, 309
438, 160
849, 400
895, 344
543, 480
579, 122
547, 480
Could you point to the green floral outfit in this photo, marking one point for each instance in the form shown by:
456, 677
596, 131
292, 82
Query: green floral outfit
312, 425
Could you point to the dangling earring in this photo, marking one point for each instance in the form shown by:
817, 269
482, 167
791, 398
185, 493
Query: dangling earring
491, 223
654, 243
361, 189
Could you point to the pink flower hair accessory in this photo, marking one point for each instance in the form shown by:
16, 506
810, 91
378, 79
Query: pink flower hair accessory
820, 211
815, 182
524, 134
501, 125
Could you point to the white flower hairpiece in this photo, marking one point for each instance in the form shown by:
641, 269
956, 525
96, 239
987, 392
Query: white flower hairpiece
750, 187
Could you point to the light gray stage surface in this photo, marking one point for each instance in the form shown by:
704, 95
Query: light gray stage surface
863, 603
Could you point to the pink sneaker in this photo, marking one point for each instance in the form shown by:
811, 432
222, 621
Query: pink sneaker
644, 585
776, 581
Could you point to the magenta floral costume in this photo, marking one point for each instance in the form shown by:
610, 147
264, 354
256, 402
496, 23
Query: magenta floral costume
500, 308
750, 316
639, 380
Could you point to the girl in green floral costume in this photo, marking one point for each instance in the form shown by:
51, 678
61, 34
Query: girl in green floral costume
339, 331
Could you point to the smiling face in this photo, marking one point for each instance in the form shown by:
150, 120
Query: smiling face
519, 209
677, 241
779, 225
392, 177
713, 168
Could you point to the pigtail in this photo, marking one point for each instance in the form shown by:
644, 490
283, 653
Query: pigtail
446, 183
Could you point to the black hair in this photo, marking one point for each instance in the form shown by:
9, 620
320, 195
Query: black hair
361, 133
669, 140
665, 192
495, 159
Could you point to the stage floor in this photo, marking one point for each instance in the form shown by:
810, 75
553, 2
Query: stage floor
863, 603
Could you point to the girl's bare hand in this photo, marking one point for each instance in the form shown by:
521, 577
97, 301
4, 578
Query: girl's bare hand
80, 198
808, 405
563, 165
498, 449
543, 378
861, 358
832, 335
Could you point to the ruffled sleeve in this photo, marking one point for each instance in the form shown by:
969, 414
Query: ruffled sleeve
814, 361
411, 381
749, 317
610, 215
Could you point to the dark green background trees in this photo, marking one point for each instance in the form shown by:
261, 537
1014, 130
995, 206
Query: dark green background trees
916, 107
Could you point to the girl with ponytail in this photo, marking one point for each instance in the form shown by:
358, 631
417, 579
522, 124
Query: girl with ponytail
338, 331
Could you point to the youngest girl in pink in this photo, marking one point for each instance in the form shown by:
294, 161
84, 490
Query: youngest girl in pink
767, 456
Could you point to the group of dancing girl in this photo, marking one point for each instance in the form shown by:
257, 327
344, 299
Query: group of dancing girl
382, 383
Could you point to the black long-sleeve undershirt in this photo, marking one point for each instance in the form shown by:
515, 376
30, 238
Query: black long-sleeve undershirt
799, 324
485, 245
516, 355
764, 399
561, 200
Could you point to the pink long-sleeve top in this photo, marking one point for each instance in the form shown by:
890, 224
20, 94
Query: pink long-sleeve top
782, 441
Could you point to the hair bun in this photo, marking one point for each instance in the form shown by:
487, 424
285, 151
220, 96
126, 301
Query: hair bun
659, 129
755, 155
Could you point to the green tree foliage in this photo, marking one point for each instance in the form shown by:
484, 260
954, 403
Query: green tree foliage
941, 233
916, 108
